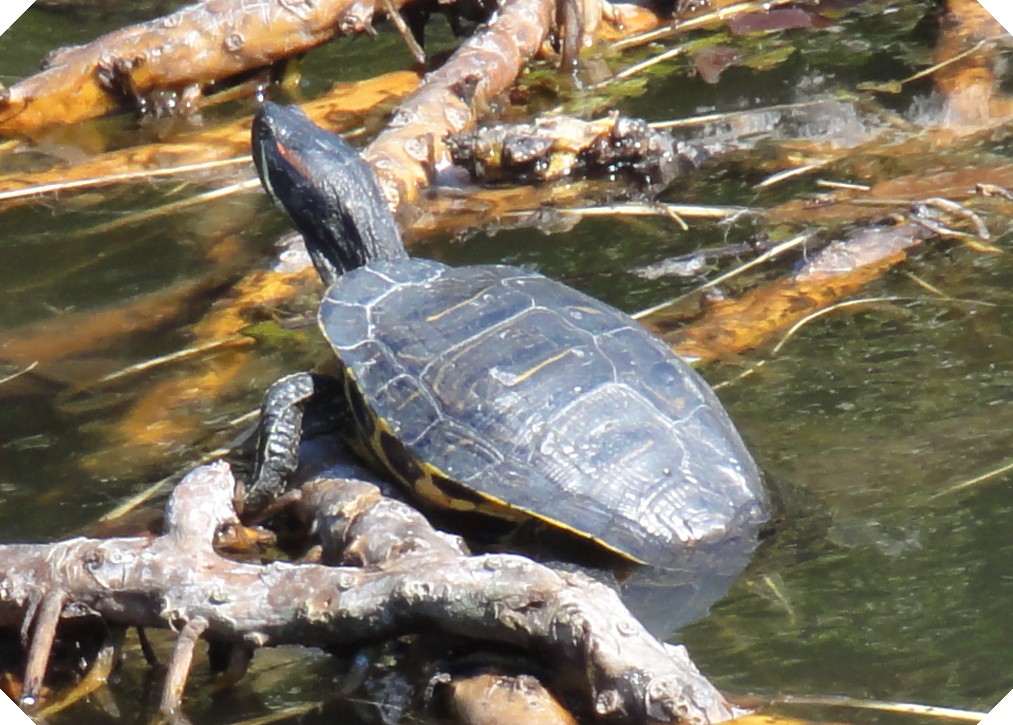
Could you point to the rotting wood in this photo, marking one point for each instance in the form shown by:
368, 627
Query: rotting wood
427, 581
563, 147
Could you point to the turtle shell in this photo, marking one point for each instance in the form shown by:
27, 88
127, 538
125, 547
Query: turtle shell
495, 389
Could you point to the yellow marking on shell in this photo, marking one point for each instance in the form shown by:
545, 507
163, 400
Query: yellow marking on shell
427, 488
498, 508
501, 509
531, 371
411, 396
489, 504
453, 308
351, 389
369, 445
556, 524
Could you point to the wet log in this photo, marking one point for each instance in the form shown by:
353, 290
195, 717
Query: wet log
563, 147
449, 100
426, 582
970, 87
491, 699
188, 49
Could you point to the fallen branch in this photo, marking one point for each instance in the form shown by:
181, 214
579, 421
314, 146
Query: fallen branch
426, 582
188, 49
451, 98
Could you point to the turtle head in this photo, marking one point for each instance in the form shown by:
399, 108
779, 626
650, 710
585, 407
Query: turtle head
329, 191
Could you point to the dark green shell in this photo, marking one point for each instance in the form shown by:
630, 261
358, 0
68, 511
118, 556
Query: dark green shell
497, 389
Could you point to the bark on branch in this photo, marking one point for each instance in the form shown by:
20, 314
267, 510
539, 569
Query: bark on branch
193, 46
417, 580
451, 97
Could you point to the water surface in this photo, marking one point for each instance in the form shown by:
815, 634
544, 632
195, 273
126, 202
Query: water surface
879, 581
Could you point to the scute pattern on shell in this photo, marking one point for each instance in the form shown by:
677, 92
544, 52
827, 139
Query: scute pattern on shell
538, 395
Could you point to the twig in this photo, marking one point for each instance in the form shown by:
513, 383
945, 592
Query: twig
1005, 468
406, 34
826, 311
672, 211
729, 115
97, 676
669, 211
154, 213
163, 485
54, 188
179, 665
682, 26
926, 285
958, 209
787, 174
23, 371
908, 708
847, 185
865, 301
288, 713
44, 625
774, 585
774, 251
642, 66
232, 341
896, 86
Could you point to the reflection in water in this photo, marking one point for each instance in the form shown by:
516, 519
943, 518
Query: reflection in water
666, 601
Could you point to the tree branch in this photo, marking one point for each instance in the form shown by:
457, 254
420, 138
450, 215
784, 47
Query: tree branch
417, 580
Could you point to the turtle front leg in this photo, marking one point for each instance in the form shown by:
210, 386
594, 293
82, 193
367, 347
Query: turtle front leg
296, 406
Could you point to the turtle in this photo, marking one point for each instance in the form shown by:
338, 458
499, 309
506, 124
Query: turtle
493, 389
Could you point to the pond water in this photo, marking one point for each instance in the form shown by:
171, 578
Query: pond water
885, 578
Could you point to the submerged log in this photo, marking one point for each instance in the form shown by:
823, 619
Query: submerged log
195, 154
729, 327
